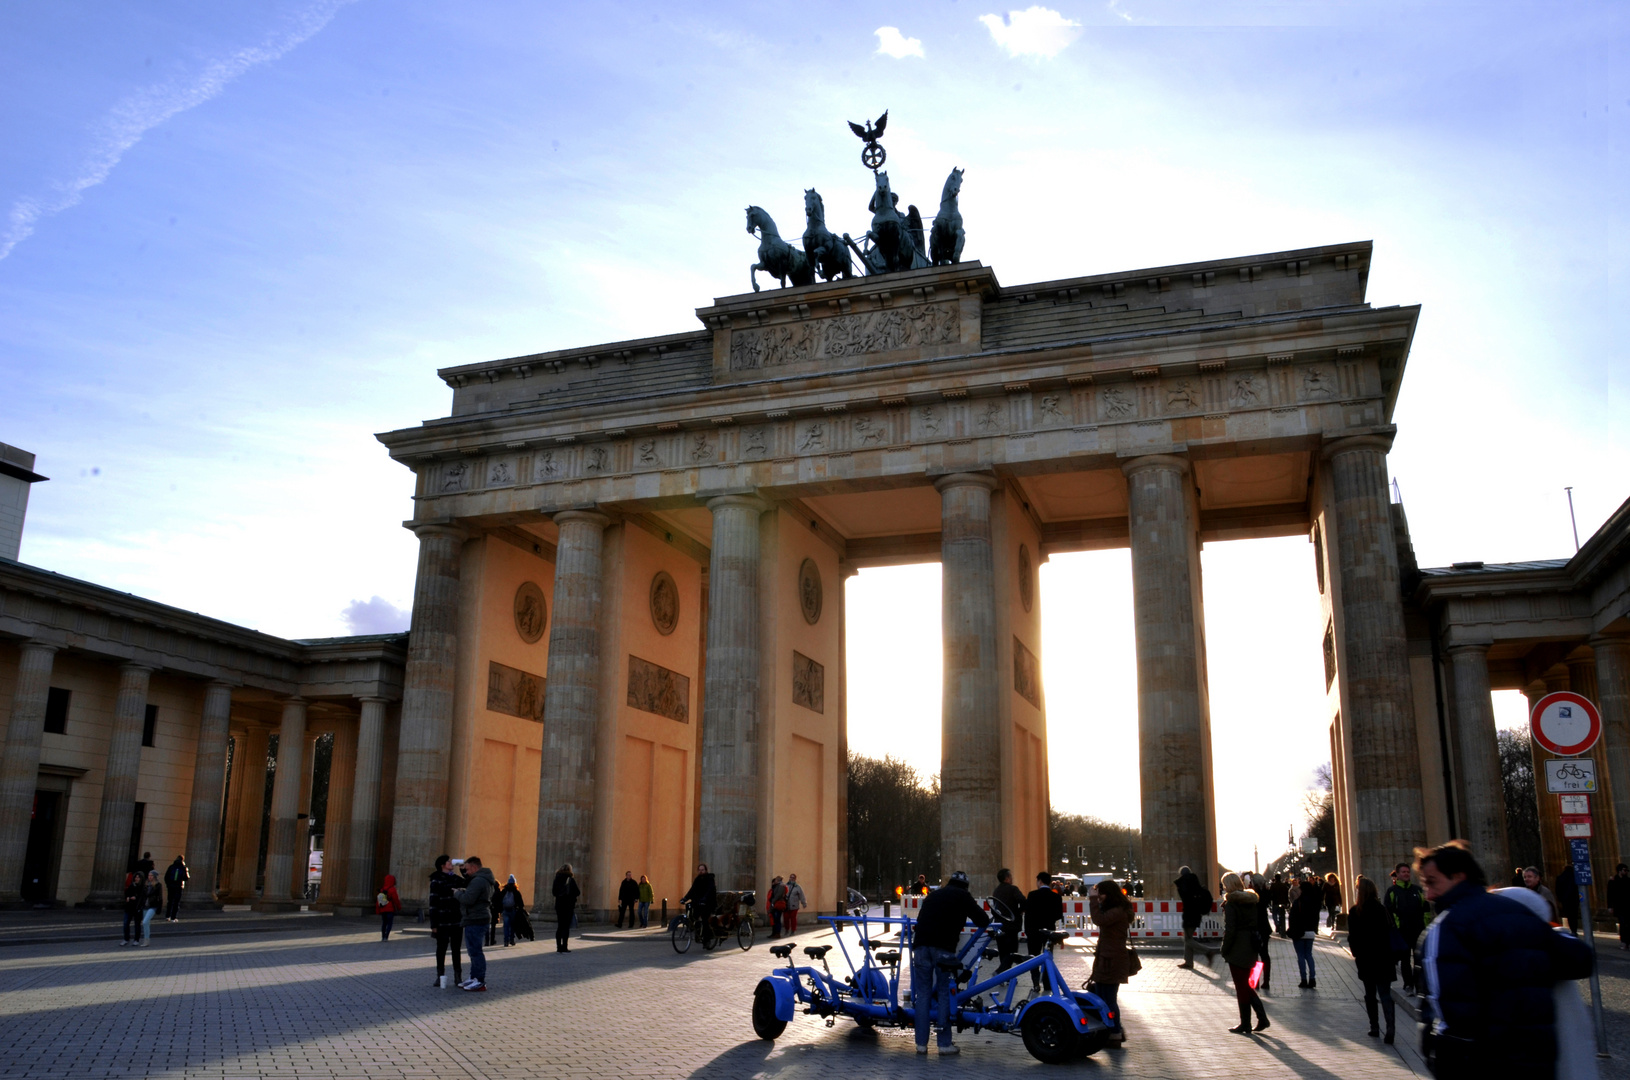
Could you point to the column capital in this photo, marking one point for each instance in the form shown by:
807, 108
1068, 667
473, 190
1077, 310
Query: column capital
744, 501
230, 684
590, 517
39, 645
373, 698
294, 699
1479, 647
137, 665
1155, 461
965, 479
426, 529
1600, 640
1351, 443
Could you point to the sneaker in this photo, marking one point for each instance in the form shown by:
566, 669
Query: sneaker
476, 987
466, 984
922, 1048
122, 944
952, 1049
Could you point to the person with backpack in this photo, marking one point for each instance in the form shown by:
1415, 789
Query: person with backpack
1239, 950
135, 899
386, 904
775, 904
446, 919
475, 900
796, 901
513, 906
175, 882
1369, 939
1406, 904
1197, 901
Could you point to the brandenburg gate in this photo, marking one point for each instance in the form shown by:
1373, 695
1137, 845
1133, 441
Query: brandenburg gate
627, 645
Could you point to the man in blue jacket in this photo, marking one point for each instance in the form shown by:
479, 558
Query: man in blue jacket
1489, 966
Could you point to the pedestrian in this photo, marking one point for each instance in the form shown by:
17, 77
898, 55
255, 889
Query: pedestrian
152, 904
934, 957
628, 894
1566, 898
1406, 904
1532, 879
1332, 900
1197, 901
1113, 961
565, 891
1369, 939
1618, 901
1304, 927
1043, 909
647, 894
1007, 903
1239, 950
1264, 929
447, 919
475, 901
703, 897
1278, 901
135, 900
775, 904
919, 887
1490, 966
386, 904
144, 865
495, 913
1575, 1041
513, 908
175, 882
796, 902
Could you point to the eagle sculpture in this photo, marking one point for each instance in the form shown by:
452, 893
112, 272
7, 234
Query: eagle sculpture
871, 133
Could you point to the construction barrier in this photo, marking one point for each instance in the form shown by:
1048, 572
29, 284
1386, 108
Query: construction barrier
1154, 919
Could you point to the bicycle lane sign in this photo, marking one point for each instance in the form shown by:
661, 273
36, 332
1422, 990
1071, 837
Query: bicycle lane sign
1570, 776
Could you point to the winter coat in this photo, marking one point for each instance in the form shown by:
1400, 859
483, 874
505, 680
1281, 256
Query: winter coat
778, 892
1407, 906
1369, 938
942, 916
565, 892
444, 909
1332, 894
1490, 966
155, 896
135, 895
1196, 900
647, 894
1304, 912
1012, 900
796, 901
1618, 896
1279, 894
1567, 895
1043, 909
475, 902
393, 902
1549, 897
1239, 946
628, 892
703, 893
495, 903
1112, 960
510, 898
176, 876
1264, 926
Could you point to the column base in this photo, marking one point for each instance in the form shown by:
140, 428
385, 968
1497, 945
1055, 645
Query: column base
201, 905
352, 911
278, 906
102, 902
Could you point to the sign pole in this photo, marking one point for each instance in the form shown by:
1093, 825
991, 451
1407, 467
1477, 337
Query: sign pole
1595, 979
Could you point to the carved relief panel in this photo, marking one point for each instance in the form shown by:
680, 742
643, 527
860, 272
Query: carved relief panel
808, 683
845, 336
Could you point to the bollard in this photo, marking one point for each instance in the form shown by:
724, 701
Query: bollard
664, 911
886, 909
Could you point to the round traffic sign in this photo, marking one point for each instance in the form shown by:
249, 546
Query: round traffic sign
1565, 723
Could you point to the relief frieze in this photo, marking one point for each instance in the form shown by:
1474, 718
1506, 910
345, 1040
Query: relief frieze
842, 336
653, 688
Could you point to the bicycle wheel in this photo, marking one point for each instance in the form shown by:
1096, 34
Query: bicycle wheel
744, 934
681, 935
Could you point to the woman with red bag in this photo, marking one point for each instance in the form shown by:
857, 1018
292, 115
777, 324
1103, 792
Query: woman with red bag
1239, 949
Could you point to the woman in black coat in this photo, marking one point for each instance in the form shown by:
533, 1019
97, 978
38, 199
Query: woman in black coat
1369, 937
566, 892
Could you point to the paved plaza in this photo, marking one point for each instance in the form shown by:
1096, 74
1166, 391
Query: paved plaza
319, 998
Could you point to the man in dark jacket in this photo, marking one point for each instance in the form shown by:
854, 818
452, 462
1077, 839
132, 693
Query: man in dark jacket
475, 902
175, 883
446, 919
933, 942
1043, 909
703, 897
628, 898
1406, 904
1008, 901
919, 887
1618, 900
1567, 898
1278, 901
1489, 966
1197, 901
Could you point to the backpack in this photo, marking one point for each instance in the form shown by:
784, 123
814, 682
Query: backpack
382, 901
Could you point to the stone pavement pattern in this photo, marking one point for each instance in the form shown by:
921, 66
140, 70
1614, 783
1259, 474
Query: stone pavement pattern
332, 1001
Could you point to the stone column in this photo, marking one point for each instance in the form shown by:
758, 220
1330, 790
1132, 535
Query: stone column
1613, 690
301, 868
1553, 849
281, 847
1174, 717
730, 717
1389, 819
20, 762
233, 815
119, 788
571, 703
360, 883
970, 704
1482, 815
342, 772
252, 810
425, 740
208, 789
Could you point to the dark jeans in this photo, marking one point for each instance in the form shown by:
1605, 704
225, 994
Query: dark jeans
1267, 966
1304, 958
563, 927
1408, 973
645, 914
1374, 990
509, 926
387, 919
931, 994
1109, 991
475, 938
1248, 1001
132, 924
1278, 913
173, 908
628, 909
447, 939
775, 923
1036, 943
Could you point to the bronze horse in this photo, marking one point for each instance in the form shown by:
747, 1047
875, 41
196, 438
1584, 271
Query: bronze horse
899, 239
946, 238
828, 254
775, 256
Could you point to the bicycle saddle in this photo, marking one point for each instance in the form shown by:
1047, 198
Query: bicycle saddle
782, 951
890, 957
816, 952
875, 942
1056, 938
989, 954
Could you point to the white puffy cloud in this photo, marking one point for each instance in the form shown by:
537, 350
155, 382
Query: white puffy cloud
890, 42
1035, 31
376, 615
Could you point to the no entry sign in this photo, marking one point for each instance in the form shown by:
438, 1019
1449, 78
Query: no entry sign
1565, 723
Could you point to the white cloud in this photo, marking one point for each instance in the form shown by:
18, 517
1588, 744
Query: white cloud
376, 615
890, 42
1035, 31
140, 112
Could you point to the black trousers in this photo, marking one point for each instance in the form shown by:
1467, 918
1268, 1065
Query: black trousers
1007, 950
1389, 1009
1036, 943
622, 907
563, 927
173, 908
450, 937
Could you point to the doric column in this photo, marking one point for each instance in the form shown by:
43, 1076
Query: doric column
1613, 698
970, 703
1174, 715
361, 883
281, 848
208, 789
300, 871
1389, 819
232, 814
1482, 816
255, 747
571, 702
730, 716
119, 787
342, 774
20, 763
425, 740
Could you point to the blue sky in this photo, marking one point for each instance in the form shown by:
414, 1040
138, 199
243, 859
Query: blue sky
239, 240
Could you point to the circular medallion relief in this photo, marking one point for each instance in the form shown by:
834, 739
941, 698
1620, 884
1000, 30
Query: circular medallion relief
531, 613
809, 591
1027, 579
664, 603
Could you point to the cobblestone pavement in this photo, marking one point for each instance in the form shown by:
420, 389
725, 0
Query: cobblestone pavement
319, 1001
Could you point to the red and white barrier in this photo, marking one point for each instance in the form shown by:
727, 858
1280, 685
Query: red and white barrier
1151, 919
